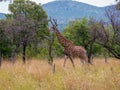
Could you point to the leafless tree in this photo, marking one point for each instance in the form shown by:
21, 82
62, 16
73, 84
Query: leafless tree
108, 34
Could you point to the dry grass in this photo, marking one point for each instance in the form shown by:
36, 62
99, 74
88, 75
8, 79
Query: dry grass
37, 75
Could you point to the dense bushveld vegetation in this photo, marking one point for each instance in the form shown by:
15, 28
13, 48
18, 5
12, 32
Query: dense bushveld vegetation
24, 33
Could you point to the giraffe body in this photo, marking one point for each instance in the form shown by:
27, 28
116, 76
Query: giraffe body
70, 50
75, 51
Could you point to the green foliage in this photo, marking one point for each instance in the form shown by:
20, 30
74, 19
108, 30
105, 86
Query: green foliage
28, 25
28, 8
57, 49
79, 32
5, 48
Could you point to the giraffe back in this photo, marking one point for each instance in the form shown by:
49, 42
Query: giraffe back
76, 51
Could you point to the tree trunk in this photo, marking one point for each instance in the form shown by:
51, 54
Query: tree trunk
0, 58
89, 56
90, 52
50, 60
105, 59
13, 56
53, 68
15, 51
24, 53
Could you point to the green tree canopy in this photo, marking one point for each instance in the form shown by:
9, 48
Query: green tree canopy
28, 22
81, 33
77, 31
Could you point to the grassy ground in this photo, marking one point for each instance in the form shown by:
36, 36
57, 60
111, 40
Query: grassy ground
38, 75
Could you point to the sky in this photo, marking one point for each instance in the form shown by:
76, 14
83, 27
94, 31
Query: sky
99, 3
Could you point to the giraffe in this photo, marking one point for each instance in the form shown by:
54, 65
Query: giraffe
70, 50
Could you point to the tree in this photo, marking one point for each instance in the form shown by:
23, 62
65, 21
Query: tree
80, 33
118, 5
108, 35
77, 31
113, 44
1, 40
29, 21
4, 41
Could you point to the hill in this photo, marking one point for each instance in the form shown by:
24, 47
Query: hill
65, 11
2, 15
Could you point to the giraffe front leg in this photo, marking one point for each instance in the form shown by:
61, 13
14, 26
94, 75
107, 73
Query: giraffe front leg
66, 57
72, 61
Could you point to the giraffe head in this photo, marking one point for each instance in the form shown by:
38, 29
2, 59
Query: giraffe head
52, 29
54, 25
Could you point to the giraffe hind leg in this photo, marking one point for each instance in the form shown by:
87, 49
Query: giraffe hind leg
82, 61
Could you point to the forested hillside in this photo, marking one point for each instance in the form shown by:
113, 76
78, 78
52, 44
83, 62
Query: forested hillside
2, 15
65, 11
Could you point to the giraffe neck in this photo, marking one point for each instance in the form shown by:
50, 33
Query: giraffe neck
64, 42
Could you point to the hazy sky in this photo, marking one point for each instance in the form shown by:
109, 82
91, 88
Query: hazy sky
100, 3
92, 2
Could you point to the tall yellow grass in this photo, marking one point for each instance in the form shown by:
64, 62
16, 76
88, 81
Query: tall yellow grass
38, 75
